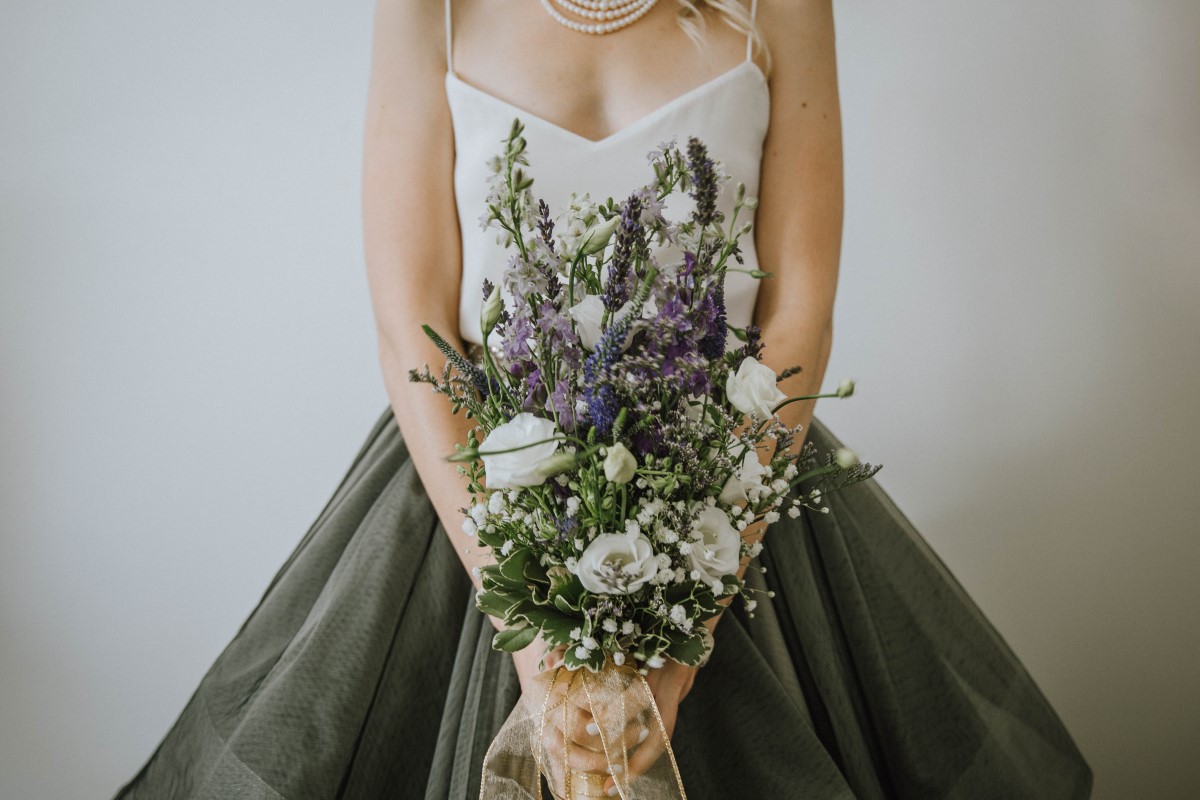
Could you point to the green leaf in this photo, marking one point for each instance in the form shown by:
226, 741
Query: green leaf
560, 578
491, 538
513, 566
494, 604
493, 578
594, 661
557, 628
535, 572
687, 650
693, 596
564, 605
513, 639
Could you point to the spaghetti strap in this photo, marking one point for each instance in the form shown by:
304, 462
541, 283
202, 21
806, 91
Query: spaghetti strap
749, 36
449, 40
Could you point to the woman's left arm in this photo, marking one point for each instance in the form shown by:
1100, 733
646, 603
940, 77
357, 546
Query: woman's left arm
797, 234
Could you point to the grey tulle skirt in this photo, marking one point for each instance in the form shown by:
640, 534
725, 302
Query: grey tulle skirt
365, 671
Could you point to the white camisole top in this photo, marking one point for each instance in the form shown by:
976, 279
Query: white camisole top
729, 114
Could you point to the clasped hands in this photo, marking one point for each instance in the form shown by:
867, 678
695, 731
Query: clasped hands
571, 739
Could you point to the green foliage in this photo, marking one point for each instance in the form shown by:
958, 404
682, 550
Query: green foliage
514, 638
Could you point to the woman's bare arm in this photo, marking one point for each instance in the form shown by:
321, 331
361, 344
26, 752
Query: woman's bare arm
799, 218
413, 251
798, 224
797, 235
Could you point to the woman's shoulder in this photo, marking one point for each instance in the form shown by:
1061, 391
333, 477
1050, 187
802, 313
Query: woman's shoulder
412, 32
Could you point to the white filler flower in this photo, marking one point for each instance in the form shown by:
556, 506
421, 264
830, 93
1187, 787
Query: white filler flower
616, 563
716, 554
518, 467
752, 389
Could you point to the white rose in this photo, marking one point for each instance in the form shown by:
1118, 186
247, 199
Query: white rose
747, 480
519, 467
616, 563
717, 553
752, 389
620, 465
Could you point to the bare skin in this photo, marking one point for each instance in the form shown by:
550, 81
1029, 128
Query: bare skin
593, 86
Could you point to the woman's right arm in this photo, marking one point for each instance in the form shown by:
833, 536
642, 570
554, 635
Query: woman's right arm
411, 240
413, 252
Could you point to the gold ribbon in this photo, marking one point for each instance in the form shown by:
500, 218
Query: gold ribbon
547, 734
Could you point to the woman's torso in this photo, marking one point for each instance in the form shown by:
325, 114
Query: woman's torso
729, 113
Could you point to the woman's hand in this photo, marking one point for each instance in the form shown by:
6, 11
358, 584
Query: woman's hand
526, 662
669, 684
637, 732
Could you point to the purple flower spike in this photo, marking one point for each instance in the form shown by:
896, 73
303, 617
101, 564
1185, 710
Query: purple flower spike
712, 346
631, 248
704, 182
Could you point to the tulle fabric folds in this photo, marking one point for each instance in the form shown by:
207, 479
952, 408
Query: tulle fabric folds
365, 672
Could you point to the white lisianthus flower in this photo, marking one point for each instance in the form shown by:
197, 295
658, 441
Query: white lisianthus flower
845, 457
519, 467
489, 313
721, 546
619, 464
746, 481
616, 563
588, 314
752, 389
594, 239
845, 387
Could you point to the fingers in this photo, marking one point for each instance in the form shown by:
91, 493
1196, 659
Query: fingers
652, 746
572, 737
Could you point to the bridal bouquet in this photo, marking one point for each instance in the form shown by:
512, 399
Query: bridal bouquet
626, 437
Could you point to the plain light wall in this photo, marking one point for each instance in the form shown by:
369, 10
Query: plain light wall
188, 360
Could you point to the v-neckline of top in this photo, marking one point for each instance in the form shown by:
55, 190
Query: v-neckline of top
632, 127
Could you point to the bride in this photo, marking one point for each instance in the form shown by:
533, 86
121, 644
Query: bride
366, 671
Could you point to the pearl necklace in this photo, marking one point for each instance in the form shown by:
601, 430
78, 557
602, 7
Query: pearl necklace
611, 15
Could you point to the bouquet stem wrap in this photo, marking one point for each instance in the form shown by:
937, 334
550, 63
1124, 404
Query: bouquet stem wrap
548, 734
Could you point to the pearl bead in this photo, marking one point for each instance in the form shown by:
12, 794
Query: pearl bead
615, 15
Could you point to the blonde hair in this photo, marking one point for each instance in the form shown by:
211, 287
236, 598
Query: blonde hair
733, 14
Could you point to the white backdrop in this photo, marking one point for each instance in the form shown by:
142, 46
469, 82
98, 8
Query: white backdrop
188, 360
